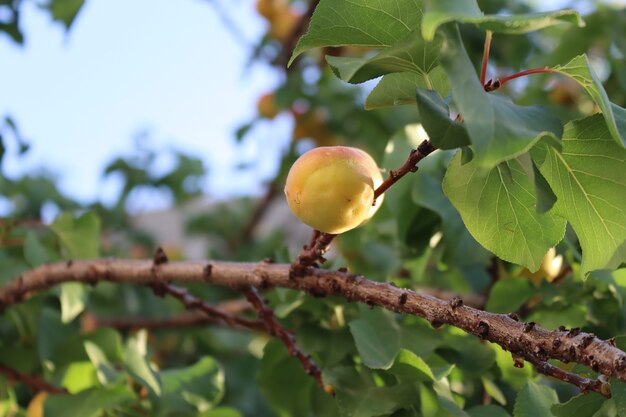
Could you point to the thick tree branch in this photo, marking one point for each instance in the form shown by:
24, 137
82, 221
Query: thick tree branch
33, 381
524, 340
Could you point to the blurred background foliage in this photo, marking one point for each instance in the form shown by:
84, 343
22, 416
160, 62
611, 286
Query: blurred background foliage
417, 240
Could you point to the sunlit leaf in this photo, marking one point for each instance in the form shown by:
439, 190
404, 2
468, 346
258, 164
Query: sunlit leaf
498, 206
438, 12
587, 178
581, 71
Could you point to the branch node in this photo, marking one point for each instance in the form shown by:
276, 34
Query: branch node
528, 326
483, 330
573, 332
455, 303
587, 340
513, 316
69, 263
160, 257
207, 271
403, 297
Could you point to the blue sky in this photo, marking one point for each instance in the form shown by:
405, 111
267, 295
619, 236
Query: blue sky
167, 67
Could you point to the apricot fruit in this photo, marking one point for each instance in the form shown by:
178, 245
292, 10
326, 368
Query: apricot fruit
550, 268
35, 407
266, 106
331, 188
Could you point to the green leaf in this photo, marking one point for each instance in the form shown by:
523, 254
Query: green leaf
438, 12
221, 412
105, 372
583, 405
509, 294
587, 178
487, 411
434, 114
73, 300
499, 129
35, 252
80, 376
398, 88
377, 338
411, 54
367, 23
460, 247
579, 69
137, 365
64, 11
358, 396
410, 367
534, 400
198, 387
283, 382
493, 390
498, 206
88, 403
79, 237
618, 394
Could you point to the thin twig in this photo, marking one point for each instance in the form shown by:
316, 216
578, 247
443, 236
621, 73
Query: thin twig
485, 63
275, 328
33, 381
583, 383
193, 303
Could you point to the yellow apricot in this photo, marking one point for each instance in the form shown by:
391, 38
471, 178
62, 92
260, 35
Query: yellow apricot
266, 106
331, 188
35, 407
549, 269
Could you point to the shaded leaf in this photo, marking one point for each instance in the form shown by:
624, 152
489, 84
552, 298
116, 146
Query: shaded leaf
377, 338
582, 405
434, 114
587, 178
358, 396
487, 411
88, 403
283, 382
191, 389
509, 294
534, 400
